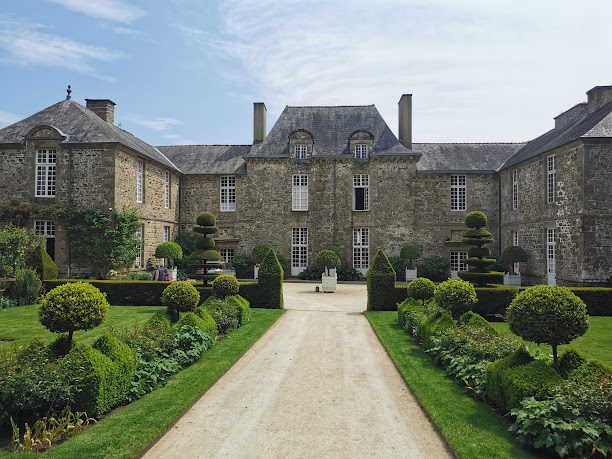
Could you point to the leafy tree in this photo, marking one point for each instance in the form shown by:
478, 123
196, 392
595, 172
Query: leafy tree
457, 296
16, 244
421, 289
409, 254
479, 258
510, 255
169, 250
327, 259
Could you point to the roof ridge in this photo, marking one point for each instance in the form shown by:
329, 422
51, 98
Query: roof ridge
330, 106
470, 143
207, 145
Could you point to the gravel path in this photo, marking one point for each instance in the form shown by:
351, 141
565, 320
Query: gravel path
318, 384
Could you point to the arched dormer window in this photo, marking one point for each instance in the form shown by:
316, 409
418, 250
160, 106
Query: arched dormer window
301, 144
361, 144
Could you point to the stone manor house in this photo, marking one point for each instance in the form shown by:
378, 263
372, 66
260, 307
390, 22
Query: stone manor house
331, 175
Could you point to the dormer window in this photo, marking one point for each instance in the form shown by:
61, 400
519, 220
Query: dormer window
301, 144
361, 151
301, 151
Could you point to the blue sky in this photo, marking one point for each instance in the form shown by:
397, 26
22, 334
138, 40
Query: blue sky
188, 71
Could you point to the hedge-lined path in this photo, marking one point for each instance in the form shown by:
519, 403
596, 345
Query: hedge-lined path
318, 384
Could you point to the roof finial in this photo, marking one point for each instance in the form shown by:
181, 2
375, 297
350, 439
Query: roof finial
68, 91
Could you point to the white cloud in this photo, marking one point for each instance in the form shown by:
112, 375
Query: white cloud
27, 44
159, 124
7, 118
112, 10
479, 70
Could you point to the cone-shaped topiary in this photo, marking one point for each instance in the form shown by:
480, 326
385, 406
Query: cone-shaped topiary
381, 284
270, 280
478, 260
421, 289
259, 252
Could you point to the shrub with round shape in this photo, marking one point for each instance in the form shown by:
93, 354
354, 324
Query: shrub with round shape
180, 296
225, 285
169, 250
457, 296
409, 253
421, 289
476, 219
435, 268
512, 254
327, 259
206, 219
73, 306
334, 249
548, 314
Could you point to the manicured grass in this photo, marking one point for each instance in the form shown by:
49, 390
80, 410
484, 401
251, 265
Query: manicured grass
128, 430
596, 343
471, 429
20, 325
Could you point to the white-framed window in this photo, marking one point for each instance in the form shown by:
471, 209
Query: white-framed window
361, 192
227, 254
551, 178
299, 192
458, 192
361, 248
551, 250
44, 228
166, 234
299, 250
139, 180
46, 161
515, 189
166, 189
457, 261
300, 150
515, 243
361, 151
139, 246
228, 193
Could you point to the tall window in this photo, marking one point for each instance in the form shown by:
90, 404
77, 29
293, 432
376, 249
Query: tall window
515, 242
361, 192
299, 192
167, 189
515, 189
139, 180
457, 261
551, 250
166, 233
551, 178
458, 200
228, 193
361, 151
361, 248
299, 250
301, 151
227, 255
45, 172
139, 247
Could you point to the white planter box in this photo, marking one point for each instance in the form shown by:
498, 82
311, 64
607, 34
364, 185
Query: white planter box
329, 284
454, 275
512, 279
255, 271
411, 274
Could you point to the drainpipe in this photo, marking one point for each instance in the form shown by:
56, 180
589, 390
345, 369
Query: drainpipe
334, 212
69, 200
499, 214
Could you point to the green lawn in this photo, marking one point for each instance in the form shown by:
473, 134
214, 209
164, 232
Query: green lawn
471, 429
596, 343
20, 324
125, 432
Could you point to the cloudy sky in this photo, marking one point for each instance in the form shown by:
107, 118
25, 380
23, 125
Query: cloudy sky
188, 71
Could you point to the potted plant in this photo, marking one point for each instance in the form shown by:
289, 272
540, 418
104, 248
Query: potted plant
510, 258
409, 254
327, 261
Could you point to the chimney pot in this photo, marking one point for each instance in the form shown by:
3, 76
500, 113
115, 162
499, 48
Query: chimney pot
259, 122
405, 120
104, 108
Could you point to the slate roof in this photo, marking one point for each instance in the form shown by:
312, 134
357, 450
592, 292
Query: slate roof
597, 124
331, 128
81, 125
463, 157
208, 159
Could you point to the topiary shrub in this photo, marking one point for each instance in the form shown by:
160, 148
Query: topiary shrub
206, 219
40, 261
548, 314
169, 250
225, 313
200, 259
243, 305
478, 260
243, 264
334, 249
569, 362
421, 289
225, 285
180, 297
456, 296
210, 324
381, 284
434, 268
71, 307
326, 259
270, 280
27, 286
259, 252
510, 256
399, 266
409, 254
192, 319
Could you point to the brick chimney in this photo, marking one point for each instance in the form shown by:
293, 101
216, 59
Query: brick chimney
259, 122
104, 108
405, 120
597, 97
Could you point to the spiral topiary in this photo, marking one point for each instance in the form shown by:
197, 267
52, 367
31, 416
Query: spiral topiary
180, 296
457, 296
225, 285
478, 260
421, 289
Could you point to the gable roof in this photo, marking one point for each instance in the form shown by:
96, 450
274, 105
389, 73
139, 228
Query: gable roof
597, 124
207, 159
464, 157
81, 125
331, 128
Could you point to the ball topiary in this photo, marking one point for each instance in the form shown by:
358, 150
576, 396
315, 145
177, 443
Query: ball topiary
457, 296
510, 255
225, 285
409, 253
327, 259
73, 306
335, 249
548, 314
475, 219
206, 219
169, 250
421, 289
180, 296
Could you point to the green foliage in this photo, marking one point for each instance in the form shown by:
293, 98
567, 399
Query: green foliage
482, 279
569, 362
456, 296
40, 261
27, 286
210, 326
225, 285
259, 252
206, 219
169, 250
476, 219
421, 289
180, 296
244, 306
512, 254
270, 280
327, 259
334, 249
284, 262
588, 389
204, 255
548, 314
434, 268
104, 240
477, 236
436, 321
224, 312
73, 306
345, 273
195, 319
381, 284
189, 242
16, 244
399, 266
409, 253
200, 259
243, 264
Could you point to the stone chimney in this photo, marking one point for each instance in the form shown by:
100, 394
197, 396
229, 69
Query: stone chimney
405, 120
598, 97
104, 108
259, 122
571, 115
